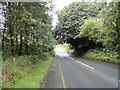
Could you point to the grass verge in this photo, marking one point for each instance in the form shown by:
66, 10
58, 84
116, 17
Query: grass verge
111, 57
26, 73
35, 76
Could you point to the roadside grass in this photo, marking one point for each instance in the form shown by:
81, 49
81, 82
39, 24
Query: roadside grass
35, 76
111, 57
25, 71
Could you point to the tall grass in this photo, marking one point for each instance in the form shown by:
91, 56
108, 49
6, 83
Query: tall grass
109, 56
14, 69
35, 76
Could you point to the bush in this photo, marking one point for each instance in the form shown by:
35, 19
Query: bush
16, 68
108, 56
96, 30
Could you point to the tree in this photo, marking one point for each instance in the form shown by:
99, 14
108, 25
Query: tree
118, 27
96, 30
72, 17
27, 28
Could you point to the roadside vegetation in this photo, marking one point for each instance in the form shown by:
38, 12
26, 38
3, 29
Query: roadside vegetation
27, 43
110, 57
31, 76
25, 71
65, 47
92, 28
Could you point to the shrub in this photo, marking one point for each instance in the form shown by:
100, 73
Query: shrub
108, 56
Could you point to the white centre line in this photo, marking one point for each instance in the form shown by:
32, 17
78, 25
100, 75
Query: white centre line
85, 65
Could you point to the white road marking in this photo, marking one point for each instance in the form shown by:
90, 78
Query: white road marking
85, 65
62, 76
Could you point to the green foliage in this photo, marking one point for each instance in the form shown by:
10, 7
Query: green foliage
19, 72
73, 16
15, 68
118, 28
27, 29
90, 25
108, 56
35, 76
26, 38
95, 30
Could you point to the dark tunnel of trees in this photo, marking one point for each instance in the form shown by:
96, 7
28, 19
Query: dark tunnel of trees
90, 26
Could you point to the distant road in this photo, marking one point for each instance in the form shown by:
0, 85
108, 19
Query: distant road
74, 72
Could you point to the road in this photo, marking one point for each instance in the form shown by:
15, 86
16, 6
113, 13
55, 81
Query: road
75, 72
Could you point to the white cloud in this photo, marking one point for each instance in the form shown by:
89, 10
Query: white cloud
61, 3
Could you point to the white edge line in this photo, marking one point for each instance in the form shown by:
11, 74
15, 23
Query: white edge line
63, 80
85, 65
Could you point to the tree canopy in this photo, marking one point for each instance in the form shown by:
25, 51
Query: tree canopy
73, 16
27, 28
89, 25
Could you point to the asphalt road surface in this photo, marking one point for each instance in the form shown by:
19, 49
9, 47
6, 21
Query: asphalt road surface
74, 72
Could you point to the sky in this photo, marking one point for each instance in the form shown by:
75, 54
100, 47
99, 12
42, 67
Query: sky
59, 5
